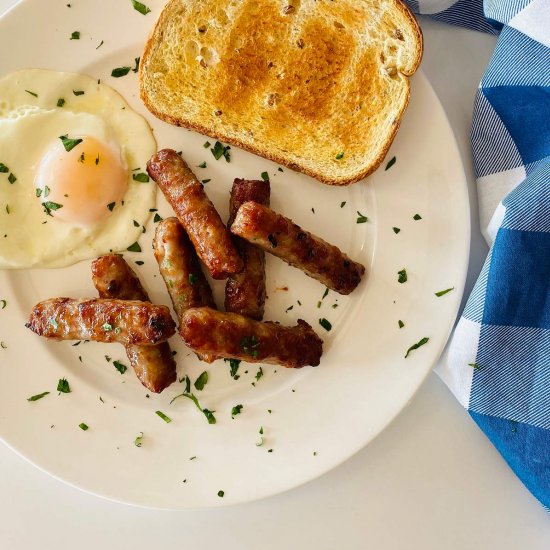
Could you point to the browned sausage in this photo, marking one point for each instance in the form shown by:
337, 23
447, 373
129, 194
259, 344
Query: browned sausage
122, 321
280, 236
245, 291
196, 213
154, 365
233, 336
181, 271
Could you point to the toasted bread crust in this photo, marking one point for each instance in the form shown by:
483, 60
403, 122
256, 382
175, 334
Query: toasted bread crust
275, 154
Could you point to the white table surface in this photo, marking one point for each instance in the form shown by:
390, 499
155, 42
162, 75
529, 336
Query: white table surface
430, 481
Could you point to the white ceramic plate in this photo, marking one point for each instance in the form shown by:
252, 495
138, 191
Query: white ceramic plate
313, 419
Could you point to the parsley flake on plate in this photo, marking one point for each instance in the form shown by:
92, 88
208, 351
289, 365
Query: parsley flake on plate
443, 292
402, 276
419, 344
141, 8
63, 386
391, 162
166, 419
38, 396
201, 381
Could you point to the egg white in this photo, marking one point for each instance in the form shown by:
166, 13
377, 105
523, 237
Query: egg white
28, 126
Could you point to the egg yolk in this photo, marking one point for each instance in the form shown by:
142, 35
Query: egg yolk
83, 185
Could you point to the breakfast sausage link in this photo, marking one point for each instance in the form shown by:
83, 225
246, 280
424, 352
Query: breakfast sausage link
282, 237
245, 291
154, 365
122, 321
196, 213
234, 336
181, 270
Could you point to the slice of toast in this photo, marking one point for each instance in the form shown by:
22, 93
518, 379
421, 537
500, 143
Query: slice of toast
316, 85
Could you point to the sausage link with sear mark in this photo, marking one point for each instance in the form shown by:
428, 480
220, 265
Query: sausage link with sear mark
245, 292
122, 321
197, 214
181, 270
154, 365
233, 336
281, 237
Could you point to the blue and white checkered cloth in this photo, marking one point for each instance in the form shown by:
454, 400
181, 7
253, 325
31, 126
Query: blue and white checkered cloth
498, 360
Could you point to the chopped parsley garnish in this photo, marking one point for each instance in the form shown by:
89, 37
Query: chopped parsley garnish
419, 344
325, 294
157, 218
141, 177
220, 150
250, 346
361, 218
49, 206
3, 345
100, 44
192, 279
142, 8
75, 35
391, 162
8, 211
265, 176
136, 224
166, 419
139, 262
475, 366
236, 410
207, 413
259, 374
400, 323
187, 381
280, 169
221, 493
138, 440
111, 205
78, 92
3, 168
202, 164
325, 324
233, 367
46, 191
3, 304
201, 381
206, 144
443, 292
120, 367
396, 230
31, 93
417, 217
342, 204
120, 71
60, 102
38, 396
339, 156
289, 308
206, 181
12, 178
402, 276
63, 386
136, 67
134, 247
107, 327
83, 426
53, 322
68, 143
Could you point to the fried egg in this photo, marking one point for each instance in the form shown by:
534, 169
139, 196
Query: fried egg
73, 183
